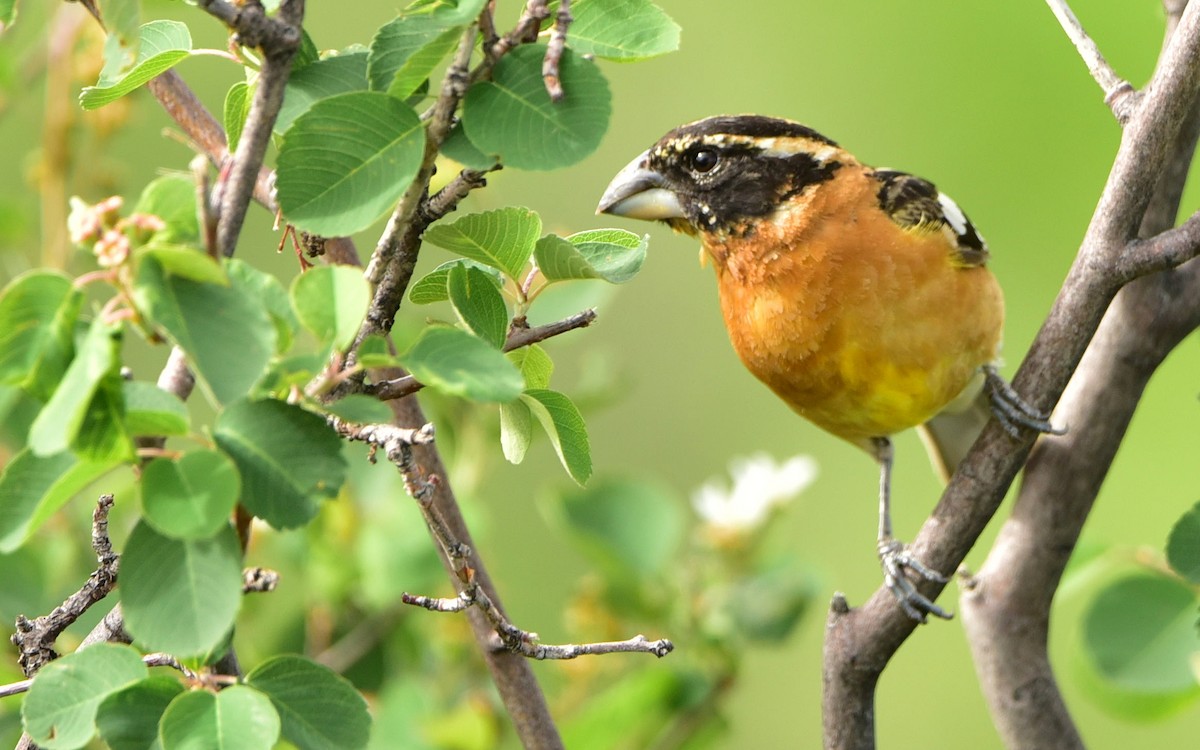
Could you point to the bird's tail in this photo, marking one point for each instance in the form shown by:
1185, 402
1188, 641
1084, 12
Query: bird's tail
949, 435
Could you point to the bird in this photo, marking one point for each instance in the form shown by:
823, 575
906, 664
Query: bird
860, 296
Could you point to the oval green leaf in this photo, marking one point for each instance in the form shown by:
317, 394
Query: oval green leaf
288, 458
61, 420
180, 596
37, 322
210, 322
319, 708
564, 425
503, 239
512, 115
1183, 545
1141, 632
60, 709
319, 80
161, 45
34, 487
347, 160
330, 302
128, 719
624, 30
237, 106
432, 287
149, 410
479, 304
237, 718
456, 362
191, 497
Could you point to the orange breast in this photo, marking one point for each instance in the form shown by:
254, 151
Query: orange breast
861, 327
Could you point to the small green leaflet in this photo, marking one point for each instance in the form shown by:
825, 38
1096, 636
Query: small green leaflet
503, 239
161, 45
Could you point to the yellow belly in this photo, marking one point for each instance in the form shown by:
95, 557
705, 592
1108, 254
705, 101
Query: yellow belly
862, 342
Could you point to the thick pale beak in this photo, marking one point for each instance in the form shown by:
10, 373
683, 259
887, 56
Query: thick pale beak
640, 193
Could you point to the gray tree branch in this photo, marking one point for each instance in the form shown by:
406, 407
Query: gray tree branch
860, 642
1006, 606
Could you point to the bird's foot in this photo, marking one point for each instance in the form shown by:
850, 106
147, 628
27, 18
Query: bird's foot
896, 561
1011, 410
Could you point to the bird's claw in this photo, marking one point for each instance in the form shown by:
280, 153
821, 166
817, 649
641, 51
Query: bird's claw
1012, 411
896, 560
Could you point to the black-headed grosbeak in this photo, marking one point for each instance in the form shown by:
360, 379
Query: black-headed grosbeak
860, 296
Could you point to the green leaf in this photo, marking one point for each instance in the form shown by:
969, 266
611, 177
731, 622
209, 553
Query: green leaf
38, 310
769, 605
237, 718
289, 459
339, 74
306, 55
516, 430
375, 351
512, 115
172, 198
320, 709
123, 18
34, 487
1140, 632
608, 254
432, 287
460, 364
458, 147
613, 254
361, 409
102, 435
149, 410
503, 239
267, 289
535, 365
564, 425
60, 421
631, 711
624, 30
599, 521
406, 50
237, 106
128, 719
180, 596
190, 497
184, 263
330, 302
8, 13
1183, 545
161, 45
478, 304
60, 709
210, 322
347, 160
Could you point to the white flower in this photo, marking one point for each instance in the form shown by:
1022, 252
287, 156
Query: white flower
759, 485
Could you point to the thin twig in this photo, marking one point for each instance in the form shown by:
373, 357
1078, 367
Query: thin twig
395, 258
407, 385
1119, 94
554, 51
278, 38
35, 638
525, 31
471, 594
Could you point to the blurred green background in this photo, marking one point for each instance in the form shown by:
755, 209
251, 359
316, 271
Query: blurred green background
989, 100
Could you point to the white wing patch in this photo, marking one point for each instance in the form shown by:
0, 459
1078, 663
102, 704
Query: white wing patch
953, 214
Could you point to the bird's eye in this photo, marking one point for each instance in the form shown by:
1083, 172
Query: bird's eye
704, 160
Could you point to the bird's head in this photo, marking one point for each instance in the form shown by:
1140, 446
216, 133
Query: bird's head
717, 177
